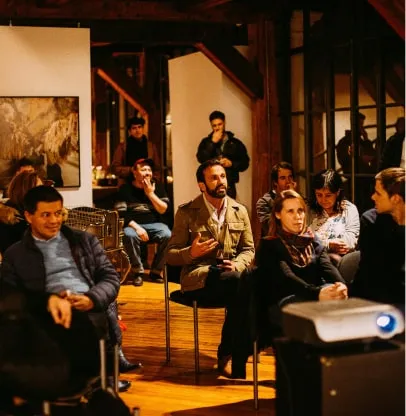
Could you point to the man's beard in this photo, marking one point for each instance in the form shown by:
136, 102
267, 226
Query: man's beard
218, 192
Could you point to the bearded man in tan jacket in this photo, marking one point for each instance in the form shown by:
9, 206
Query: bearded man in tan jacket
212, 240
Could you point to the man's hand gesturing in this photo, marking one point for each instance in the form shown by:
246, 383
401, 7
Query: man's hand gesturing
199, 249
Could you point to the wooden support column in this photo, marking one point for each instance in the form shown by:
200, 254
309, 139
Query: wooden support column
93, 95
152, 88
266, 149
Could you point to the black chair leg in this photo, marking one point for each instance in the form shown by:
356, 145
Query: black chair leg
167, 324
196, 336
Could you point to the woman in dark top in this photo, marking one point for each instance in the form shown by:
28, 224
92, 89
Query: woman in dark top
291, 266
292, 263
12, 221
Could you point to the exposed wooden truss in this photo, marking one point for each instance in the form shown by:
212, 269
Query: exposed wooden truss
205, 4
393, 11
161, 33
235, 66
152, 10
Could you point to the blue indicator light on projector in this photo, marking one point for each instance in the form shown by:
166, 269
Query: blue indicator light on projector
386, 323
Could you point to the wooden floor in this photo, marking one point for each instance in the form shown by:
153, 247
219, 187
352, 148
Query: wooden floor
164, 389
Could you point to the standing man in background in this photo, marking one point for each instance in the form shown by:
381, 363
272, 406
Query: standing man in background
394, 151
137, 146
224, 146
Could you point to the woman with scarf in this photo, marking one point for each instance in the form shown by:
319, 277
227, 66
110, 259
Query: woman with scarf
292, 263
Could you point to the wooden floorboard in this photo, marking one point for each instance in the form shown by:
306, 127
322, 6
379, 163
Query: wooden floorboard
164, 389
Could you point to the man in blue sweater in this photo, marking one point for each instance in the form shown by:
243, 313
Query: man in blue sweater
56, 259
381, 273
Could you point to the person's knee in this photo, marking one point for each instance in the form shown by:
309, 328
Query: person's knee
128, 232
232, 276
164, 234
130, 235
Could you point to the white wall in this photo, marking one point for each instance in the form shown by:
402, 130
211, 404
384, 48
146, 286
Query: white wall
197, 87
52, 62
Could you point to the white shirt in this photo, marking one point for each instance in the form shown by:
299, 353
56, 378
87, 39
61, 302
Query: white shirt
218, 217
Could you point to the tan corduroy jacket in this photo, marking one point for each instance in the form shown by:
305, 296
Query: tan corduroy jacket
193, 218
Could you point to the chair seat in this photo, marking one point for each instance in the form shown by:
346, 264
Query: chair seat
187, 300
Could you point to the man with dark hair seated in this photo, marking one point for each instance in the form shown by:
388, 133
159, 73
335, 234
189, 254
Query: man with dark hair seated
282, 178
212, 241
54, 258
381, 273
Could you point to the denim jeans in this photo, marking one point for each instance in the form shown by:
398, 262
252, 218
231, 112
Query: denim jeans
158, 233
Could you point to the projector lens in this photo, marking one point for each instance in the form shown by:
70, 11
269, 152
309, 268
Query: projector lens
386, 323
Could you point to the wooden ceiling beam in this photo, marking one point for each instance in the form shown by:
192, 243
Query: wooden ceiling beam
162, 33
393, 11
202, 5
235, 66
121, 10
124, 85
51, 3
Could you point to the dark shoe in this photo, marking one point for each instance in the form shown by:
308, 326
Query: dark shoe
156, 278
123, 385
137, 279
124, 365
222, 364
238, 370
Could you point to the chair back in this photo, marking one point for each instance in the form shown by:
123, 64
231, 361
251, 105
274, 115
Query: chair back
348, 266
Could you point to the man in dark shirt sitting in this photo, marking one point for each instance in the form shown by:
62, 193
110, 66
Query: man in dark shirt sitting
381, 273
142, 204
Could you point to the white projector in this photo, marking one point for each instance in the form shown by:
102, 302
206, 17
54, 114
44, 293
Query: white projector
337, 321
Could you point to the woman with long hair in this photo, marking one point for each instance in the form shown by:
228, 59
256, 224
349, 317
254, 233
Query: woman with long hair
12, 221
292, 263
334, 219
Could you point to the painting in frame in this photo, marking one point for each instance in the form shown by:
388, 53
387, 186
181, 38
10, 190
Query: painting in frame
46, 131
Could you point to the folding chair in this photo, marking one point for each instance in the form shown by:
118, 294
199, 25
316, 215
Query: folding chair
92, 384
186, 300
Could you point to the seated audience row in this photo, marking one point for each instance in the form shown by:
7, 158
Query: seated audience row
333, 218
292, 261
213, 242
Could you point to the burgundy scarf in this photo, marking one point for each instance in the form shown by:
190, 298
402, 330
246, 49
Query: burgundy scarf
299, 246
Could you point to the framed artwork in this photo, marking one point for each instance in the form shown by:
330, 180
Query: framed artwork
46, 131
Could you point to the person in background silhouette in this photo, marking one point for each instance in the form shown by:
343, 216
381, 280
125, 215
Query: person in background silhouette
393, 154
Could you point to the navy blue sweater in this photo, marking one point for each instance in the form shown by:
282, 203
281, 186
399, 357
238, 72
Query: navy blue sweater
381, 272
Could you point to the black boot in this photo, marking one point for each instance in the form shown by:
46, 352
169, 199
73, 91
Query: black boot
123, 385
124, 365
